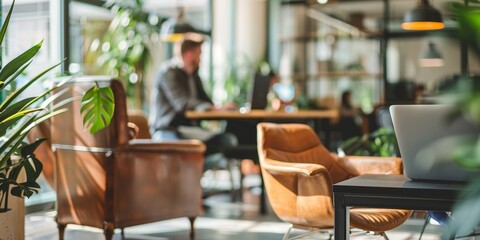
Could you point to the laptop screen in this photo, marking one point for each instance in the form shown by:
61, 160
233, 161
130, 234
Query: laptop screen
427, 138
258, 93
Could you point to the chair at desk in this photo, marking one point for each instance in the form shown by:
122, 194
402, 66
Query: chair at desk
110, 181
245, 131
299, 171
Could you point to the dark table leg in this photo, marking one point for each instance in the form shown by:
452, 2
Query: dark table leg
263, 200
342, 219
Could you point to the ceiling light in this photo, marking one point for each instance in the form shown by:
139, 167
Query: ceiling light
431, 57
174, 29
423, 17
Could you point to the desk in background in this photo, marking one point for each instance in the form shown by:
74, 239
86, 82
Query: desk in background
246, 134
317, 119
263, 114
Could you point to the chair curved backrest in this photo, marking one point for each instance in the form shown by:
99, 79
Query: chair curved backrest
298, 143
298, 172
108, 181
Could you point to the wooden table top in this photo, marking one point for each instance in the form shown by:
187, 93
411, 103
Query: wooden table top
263, 114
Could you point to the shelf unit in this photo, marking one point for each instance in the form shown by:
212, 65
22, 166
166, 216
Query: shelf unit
303, 34
314, 60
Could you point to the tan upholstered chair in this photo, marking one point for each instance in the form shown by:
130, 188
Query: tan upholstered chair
110, 181
298, 172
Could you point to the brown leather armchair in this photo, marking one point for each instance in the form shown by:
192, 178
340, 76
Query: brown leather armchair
298, 173
110, 181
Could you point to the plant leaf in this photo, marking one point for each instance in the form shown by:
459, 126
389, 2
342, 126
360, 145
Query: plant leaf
14, 95
15, 108
11, 67
97, 107
3, 31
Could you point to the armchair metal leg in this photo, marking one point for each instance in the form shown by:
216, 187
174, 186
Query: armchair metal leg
123, 233
285, 237
384, 235
287, 234
427, 220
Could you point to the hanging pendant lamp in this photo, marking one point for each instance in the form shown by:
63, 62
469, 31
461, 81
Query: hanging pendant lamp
174, 29
431, 57
423, 17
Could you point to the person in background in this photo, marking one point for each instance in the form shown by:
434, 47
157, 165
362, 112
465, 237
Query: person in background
349, 116
178, 88
419, 93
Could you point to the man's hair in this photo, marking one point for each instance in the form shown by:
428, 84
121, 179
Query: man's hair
189, 45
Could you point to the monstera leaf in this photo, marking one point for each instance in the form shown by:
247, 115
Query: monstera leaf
97, 107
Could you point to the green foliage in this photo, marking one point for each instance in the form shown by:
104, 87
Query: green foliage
123, 53
379, 143
467, 94
238, 81
18, 116
97, 107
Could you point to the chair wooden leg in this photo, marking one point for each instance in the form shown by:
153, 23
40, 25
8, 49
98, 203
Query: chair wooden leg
192, 227
108, 230
61, 231
231, 169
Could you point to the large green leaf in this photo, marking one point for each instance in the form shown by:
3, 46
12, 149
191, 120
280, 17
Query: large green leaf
97, 107
13, 66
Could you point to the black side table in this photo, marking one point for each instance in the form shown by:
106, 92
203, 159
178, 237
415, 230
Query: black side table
390, 191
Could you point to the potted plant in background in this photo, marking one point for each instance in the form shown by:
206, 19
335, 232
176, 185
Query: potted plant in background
19, 168
125, 51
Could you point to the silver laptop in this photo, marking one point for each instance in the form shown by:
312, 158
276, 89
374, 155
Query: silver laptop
427, 139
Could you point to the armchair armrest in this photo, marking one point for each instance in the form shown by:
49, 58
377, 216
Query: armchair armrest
183, 146
359, 165
297, 190
132, 130
278, 167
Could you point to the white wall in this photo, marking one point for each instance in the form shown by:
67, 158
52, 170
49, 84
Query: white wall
251, 22
241, 37
250, 25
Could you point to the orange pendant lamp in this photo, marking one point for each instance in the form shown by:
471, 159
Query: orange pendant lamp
423, 17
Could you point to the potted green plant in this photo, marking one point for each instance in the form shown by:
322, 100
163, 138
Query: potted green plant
380, 143
19, 168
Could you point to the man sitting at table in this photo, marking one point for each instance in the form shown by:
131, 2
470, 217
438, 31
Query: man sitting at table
178, 88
